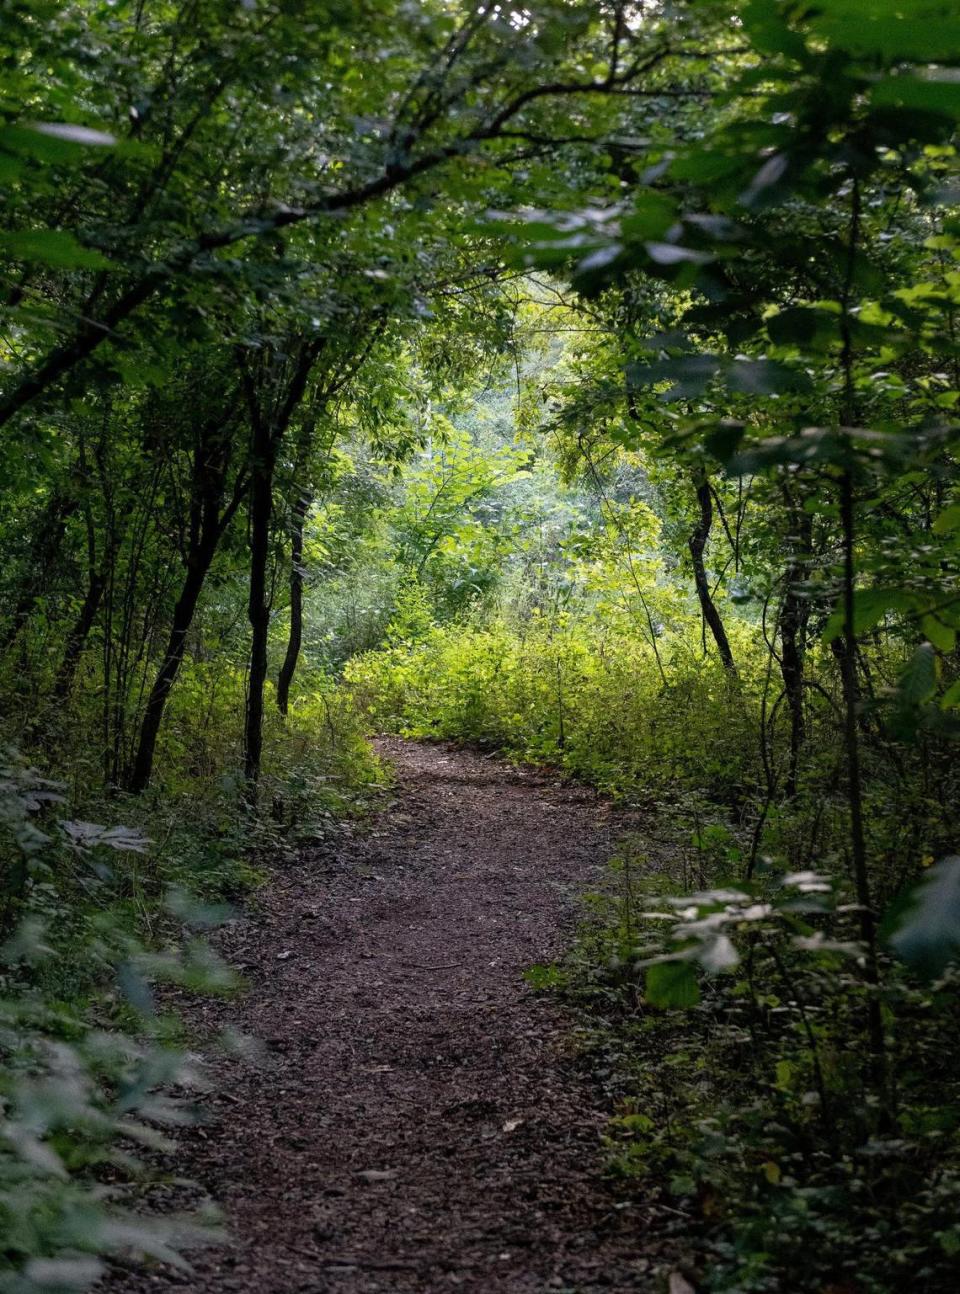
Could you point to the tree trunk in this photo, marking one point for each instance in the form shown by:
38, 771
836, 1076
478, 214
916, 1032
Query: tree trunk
142, 768
261, 508
794, 614
697, 544
268, 429
211, 466
294, 641
791, 667
858, 836
77, 638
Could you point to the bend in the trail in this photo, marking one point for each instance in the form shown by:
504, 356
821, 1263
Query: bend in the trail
420, 1123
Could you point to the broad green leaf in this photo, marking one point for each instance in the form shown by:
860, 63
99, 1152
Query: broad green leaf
936, 94
869, 608
803, 326
951, 698
54, 247
690, 374
943, 637
672, 984
918, 682
896, 36
704, 166
763, 377
52, 142
948, 520
723, 439
926, 931
651, 216
769, 32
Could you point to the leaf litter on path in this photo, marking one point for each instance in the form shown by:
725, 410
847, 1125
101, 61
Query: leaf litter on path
419, 1121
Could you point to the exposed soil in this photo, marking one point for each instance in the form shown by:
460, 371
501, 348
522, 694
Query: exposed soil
420, 1122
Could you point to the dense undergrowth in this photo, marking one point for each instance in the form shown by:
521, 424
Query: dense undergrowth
581, 697
747, 1111
107, 904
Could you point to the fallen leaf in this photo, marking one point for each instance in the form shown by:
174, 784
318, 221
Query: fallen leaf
511, 1124
680, 1285
377, 1175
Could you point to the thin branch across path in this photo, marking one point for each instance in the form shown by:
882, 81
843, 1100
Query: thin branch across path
420, 1122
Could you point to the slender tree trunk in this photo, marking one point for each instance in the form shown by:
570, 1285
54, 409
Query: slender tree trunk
197, 570
268, 428
879, 1070
791, 668
858, 838
295, 639
77, 638
697, 544
794, 615
211, 466
258, 611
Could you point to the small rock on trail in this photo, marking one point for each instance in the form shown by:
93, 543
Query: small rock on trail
419, 1122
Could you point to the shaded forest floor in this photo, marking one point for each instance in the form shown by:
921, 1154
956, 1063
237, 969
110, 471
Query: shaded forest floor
420, 1121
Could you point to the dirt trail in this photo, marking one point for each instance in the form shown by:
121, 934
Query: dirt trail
420, 1123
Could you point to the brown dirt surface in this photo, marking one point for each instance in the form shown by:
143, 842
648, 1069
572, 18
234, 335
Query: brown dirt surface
420, 1121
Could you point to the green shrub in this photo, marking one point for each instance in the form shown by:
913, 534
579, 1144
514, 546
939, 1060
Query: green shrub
574, 694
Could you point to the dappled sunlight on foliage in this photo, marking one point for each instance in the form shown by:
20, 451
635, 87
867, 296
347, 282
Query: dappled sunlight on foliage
578, 695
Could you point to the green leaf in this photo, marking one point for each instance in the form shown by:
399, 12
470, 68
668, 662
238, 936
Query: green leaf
763, 377
690, 374
951, 698
918, 682
54, 247
543, 978
53, 142
804, 327
784, 1072
703, 166
926, 930
723, 439
651, 216
869, 608
769, 32
943, 637
948, 520
672, 984
940, 95
929, 38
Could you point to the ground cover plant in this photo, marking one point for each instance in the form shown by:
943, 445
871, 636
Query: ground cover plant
574, 380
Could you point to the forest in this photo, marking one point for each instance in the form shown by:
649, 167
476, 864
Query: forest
569, 388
